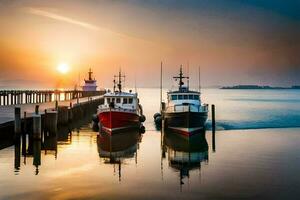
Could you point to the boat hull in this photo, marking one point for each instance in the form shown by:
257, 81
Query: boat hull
118, 121
185, 123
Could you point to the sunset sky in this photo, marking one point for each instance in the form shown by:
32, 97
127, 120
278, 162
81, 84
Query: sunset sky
234, 42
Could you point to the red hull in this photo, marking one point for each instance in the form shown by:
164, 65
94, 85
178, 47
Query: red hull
112, 121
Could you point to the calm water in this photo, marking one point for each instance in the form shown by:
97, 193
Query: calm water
248, 160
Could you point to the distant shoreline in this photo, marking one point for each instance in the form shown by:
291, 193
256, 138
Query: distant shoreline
258, 87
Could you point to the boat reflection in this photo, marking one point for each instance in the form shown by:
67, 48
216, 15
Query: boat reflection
184, 154
116, 149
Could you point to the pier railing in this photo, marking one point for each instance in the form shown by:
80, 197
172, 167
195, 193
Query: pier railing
16, 97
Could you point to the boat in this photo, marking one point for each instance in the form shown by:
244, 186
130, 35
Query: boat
184, 154
184, 113
120, 110
119, 148
90, 84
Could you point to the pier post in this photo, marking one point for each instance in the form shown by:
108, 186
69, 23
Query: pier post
37, 126
25, 123
22, 95
18, 121
213, 120
37, 109
63, 115
51, 122
70, 113
11, 98
213, 126
15, 98
56, 105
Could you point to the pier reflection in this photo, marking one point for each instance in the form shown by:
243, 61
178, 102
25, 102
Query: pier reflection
27, 148
116, 149
184, 154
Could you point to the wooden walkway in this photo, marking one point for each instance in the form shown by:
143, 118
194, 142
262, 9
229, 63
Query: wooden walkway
7, 112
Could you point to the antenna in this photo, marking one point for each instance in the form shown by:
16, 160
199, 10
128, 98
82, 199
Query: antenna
90, 74
199, 80
181, 77
188, 73
119, 85
114, 84
135, 83
161, 71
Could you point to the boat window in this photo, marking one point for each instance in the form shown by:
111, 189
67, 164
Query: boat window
180, 97
174, 97
196, 97
130, 100
185, 96
191, 96
125, 101
113, 100
118, 100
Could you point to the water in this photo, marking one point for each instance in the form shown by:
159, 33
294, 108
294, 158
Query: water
248, 160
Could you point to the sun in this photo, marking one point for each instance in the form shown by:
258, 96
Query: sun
63, 68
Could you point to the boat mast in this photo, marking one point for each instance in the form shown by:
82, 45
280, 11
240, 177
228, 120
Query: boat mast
114, 84
199, 80
180, 77
119, 85
161, 71
90, 74
188, 72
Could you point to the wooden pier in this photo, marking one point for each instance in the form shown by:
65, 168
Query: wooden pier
17, 97
54, 108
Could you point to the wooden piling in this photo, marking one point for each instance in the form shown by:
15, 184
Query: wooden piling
37, 126
70, 113
18, 121
37, 109
213, 126
56, 105
25, 123
213, 120
51, 121
63, 115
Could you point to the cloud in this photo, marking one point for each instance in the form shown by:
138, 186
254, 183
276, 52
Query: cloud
54, 16
43, 13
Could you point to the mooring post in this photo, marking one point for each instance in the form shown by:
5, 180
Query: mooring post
56, 105
51, 122
63, 117
37, 126
70, 112
213, 124
25, 123
18, 121
37, 109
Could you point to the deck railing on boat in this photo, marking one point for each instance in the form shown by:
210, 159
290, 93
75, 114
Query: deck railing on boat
188, 108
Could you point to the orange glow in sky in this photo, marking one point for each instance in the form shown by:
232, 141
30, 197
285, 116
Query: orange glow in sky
233, 43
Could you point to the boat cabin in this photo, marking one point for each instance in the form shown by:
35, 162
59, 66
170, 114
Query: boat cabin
183, 99
121, 100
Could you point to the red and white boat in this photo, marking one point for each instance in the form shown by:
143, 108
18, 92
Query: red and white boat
120, 111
